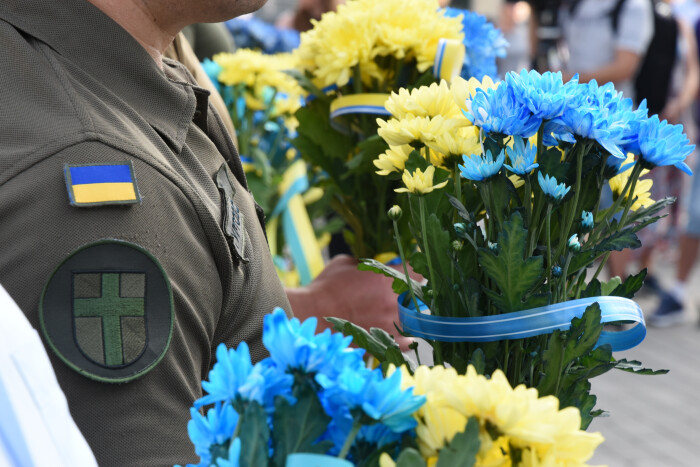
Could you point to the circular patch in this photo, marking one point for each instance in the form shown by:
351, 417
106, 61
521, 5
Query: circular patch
107, 311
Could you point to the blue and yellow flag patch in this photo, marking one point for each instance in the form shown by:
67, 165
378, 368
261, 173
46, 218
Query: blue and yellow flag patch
100, 184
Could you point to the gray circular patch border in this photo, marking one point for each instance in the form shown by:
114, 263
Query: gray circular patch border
83, 365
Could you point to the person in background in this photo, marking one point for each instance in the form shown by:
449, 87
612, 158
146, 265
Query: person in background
596, 45
670, 310
592, 47
300, 19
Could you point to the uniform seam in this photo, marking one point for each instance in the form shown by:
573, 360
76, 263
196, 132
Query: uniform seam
85, 120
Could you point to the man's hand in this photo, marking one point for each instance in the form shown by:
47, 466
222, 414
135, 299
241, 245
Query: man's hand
364, 298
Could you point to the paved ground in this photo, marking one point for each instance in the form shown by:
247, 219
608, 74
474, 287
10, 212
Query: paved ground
655, 420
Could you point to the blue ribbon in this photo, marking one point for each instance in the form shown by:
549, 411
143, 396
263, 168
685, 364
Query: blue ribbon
299, 186
526, 323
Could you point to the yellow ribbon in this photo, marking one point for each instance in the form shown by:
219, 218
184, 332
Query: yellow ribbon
366, 103
449, 59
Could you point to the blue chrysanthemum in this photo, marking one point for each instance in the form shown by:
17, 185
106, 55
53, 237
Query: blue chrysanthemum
230, 372
234, 455
498, 110
293, 345
551, 187
216, 428
483, 42
663, 144
479, 168
234, 377
381, 399
522, 157
598, 113
544, 95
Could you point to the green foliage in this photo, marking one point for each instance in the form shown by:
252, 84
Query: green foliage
463, 448
565, 347
513, 274
377, 342
254, 435
298, 426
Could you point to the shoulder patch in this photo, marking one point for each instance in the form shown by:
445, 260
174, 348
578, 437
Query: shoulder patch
107, 311
101, 184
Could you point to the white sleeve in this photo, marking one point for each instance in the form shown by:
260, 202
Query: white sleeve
635, 26
36, 427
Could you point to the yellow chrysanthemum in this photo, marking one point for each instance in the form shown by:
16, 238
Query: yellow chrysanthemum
419, 183
412, 129
535, 425
425, 101
362, 31
641, 190
463, 90
393, 160
463, 140
264, 76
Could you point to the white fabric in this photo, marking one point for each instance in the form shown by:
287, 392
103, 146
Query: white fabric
36, 428
591, 42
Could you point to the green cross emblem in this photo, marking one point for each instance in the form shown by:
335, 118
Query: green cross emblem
109, 311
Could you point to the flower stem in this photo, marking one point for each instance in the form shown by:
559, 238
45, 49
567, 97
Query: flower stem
564, 273
564, 234
405, 268
421, 204
634, 177
350, 439
549, 246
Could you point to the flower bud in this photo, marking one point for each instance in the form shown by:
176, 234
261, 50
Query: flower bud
493, 246
573, 244
395, 212
457, 245
587, 221
556, 271
461, 229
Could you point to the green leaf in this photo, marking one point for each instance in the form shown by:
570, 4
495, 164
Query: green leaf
254, 435
606, 288
459, 207
551, 164
409, 457
298, 426
367, 264
377, 342
463, 448
478, 360
514, 276
565, 347
640, 214
592, 290
634, 366
416, 161
619, 241
631, 286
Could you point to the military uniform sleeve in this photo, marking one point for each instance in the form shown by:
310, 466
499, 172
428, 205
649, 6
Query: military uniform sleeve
40, 230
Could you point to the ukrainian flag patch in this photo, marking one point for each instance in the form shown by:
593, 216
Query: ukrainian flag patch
101, 184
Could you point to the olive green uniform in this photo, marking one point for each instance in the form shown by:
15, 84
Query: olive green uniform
75, 88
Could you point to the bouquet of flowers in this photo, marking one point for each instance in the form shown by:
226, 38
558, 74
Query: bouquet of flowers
506, 232
314, 395
262, 99
349, 62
